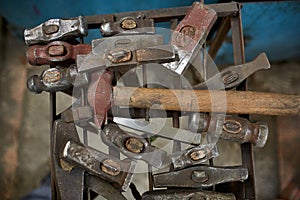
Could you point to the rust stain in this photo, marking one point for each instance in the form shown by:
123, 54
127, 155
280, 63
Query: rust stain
18, 88
10, 158
10, 155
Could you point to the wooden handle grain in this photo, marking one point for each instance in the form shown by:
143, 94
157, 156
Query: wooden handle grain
239, 102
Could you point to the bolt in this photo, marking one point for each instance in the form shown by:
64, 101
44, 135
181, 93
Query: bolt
119, 55
232, 126
56, 50
197, 155
199, 176
51, 75
185, 36
50, 29
128, 24
134, 145
110, 167
230, 77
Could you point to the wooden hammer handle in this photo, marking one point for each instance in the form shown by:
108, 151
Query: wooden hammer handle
239, 102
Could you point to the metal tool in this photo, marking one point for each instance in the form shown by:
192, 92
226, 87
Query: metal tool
100, 95
157, 129
56, 29
186, 194
57, 79
200, 176
193, 156
73, 176
100, 164
118, 48
134, 146
65, 176
56, 53
232, 76
235, 129
190, 35
128, 25
123, 59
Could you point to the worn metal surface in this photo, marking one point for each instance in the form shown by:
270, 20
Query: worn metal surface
102, 165
56, 53
187, 194
156, 54
54, 29
128, 25
194, 27
235, 129
117, 57
190, 34
103, 188
164, 131
64, 184
57, 79
100, 95
51, 80
193, 156
200, 176
163, 14
134, 146
98, 59
120, 59
232, 76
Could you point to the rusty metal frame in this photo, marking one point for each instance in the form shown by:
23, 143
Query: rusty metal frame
231, 15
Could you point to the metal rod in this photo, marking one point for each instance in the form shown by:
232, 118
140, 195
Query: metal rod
220, 37
176, 114
52, 101
147, 118
84, 103
160, 15
246, 149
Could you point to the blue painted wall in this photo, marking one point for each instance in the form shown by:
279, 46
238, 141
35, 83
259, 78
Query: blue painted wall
270, 27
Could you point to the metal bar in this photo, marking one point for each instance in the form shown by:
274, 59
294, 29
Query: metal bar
147, 117
52, 99
246, 149
220, 37
84, 103
175, 115
237, 39
160, 15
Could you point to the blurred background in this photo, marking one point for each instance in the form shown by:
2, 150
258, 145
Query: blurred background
269, 26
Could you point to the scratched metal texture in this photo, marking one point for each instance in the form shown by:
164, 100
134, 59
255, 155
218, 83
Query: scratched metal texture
270, 27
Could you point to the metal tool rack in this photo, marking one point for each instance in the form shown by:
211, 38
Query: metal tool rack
229, 18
